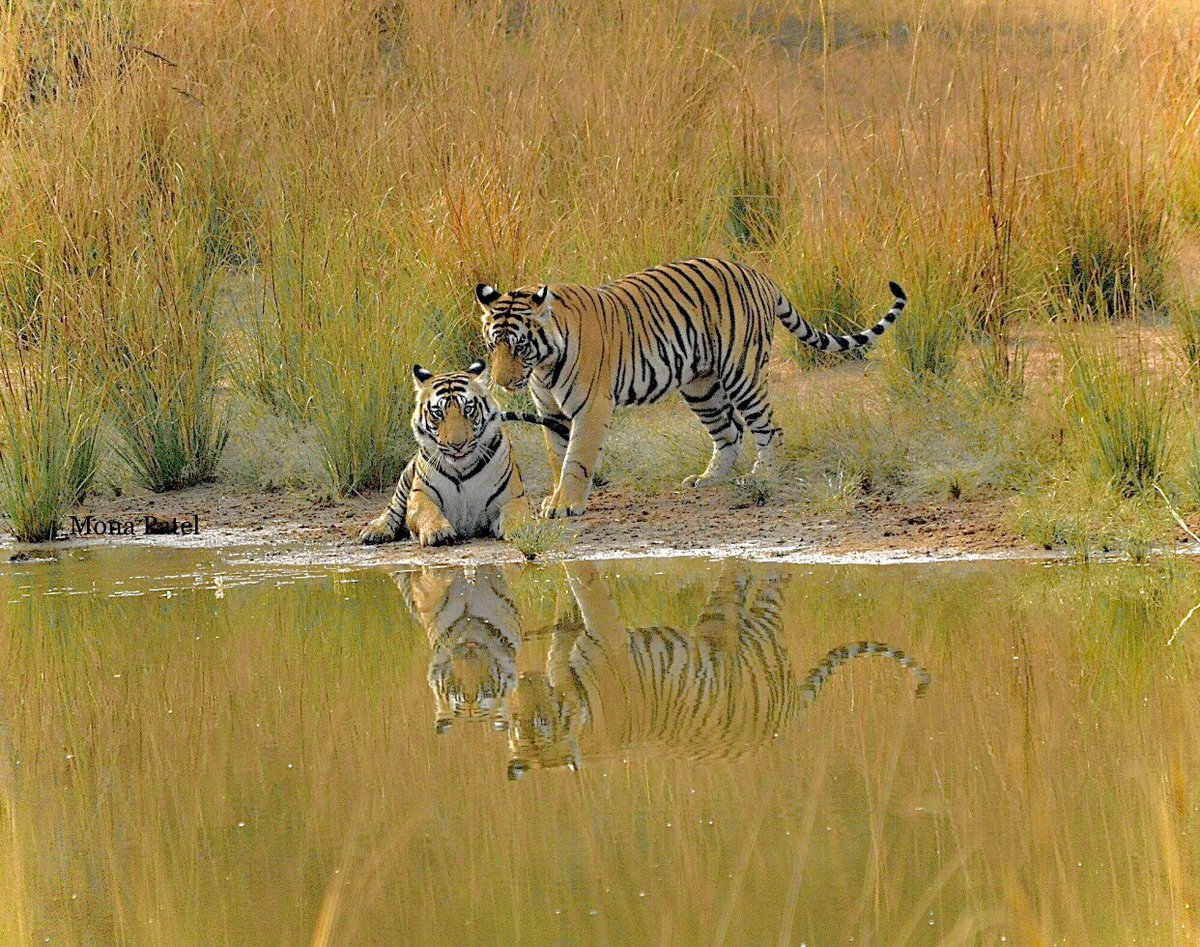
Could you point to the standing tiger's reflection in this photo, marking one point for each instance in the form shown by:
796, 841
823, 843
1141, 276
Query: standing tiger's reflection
719, 689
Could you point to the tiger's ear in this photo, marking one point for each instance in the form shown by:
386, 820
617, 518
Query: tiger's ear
421, 375
541, 295
486, 294
476, 368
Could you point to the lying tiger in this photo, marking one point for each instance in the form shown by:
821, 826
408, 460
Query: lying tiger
700, 327
720, 689
462, 482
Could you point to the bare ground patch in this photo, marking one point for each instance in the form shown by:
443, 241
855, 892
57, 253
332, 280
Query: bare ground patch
619, 523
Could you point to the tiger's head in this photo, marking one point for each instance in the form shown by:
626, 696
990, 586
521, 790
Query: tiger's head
518, 332
543, 728
471, 674
454, 414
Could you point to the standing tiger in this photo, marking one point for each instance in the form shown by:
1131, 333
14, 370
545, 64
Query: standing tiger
462, 481
719, 690
702, 327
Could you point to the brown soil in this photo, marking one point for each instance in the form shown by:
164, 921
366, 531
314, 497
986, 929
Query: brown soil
619, 523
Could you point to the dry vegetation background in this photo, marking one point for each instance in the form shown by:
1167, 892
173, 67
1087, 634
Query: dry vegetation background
227, 231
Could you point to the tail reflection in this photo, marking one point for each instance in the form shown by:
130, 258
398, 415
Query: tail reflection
819, 675
719, 689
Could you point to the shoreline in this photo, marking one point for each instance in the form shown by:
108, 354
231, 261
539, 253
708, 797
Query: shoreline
619, 525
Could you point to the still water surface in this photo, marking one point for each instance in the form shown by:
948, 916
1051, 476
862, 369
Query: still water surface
202, 749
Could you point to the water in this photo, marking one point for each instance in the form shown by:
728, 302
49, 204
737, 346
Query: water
198, 748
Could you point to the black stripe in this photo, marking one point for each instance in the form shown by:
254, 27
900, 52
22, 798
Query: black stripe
551, 424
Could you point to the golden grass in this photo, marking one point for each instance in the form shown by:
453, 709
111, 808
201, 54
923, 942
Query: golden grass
366, 162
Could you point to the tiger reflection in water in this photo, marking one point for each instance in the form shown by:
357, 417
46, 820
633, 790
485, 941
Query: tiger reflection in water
721, 689
718, 690
474, 632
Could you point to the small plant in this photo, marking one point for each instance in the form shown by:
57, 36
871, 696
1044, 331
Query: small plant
752, 490
837, 492
535, 537
926, 341
1002, 367
1185, 317
945, 295
1192, 471
1123, 416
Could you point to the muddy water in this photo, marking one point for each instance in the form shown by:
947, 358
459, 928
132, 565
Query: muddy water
204, 748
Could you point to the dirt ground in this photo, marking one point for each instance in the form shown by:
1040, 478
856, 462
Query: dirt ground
618, 524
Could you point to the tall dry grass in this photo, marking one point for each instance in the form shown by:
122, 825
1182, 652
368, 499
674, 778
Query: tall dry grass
367, 162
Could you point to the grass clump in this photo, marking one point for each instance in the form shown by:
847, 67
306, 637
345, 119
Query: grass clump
752, 490
338, 330
1123, 416
837, 492
49, 453
1072, 511
161, 346
535, 538
1185, 318
1107, 223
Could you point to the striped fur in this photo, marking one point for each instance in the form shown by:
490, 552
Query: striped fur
702, 327
718, 690
462, 481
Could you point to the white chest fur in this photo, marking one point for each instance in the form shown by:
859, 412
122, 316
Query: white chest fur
465, 500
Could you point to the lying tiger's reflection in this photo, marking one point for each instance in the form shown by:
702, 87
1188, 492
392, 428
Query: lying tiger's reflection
474, 631
719, 689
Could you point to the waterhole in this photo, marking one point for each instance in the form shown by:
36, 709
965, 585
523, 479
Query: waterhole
205, 747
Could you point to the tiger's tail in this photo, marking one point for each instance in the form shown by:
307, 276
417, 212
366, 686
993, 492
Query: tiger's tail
823, 341
820, 675
552, 424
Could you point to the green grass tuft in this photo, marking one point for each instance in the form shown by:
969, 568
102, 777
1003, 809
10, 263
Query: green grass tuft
48, 456
1123, 414
536, 537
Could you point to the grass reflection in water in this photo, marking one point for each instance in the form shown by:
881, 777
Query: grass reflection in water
255, 759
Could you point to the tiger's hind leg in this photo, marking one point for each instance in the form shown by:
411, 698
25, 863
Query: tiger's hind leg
706, 397
755, 409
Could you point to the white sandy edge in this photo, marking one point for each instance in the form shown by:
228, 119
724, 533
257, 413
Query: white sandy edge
247, 547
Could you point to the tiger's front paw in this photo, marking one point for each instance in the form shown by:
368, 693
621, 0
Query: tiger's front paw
377, 531
435, 535
553, 509
703, 481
